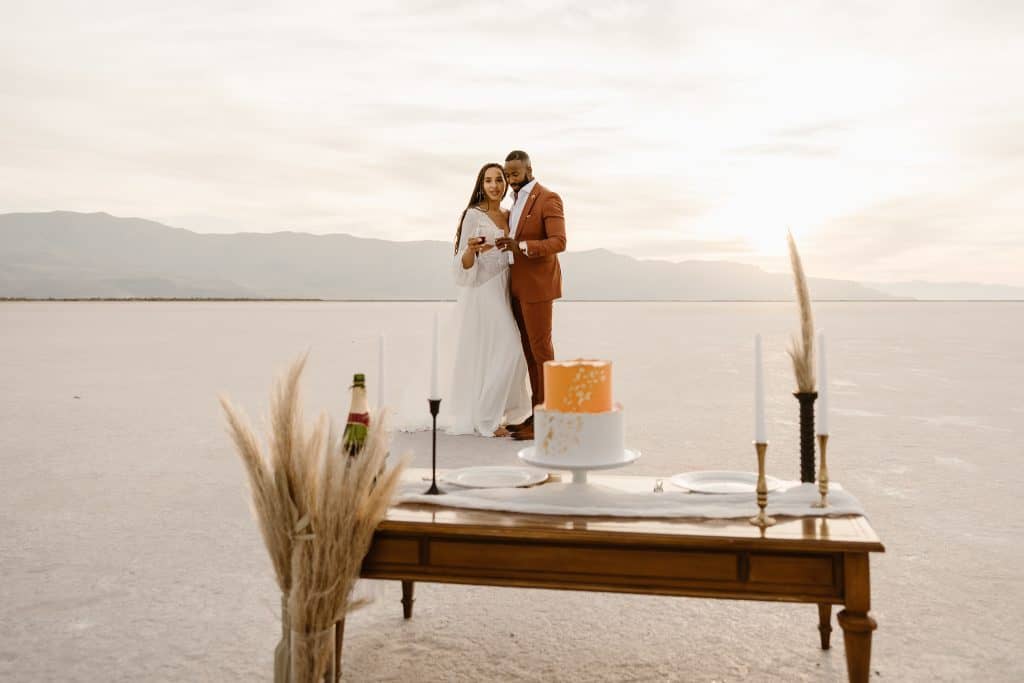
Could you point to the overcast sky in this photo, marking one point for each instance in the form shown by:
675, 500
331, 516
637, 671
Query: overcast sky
888, 135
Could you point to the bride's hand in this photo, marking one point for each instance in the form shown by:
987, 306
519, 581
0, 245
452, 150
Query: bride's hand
480, 246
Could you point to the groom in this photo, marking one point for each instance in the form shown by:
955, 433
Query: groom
536, 236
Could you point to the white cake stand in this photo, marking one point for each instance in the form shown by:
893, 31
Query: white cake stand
579, 472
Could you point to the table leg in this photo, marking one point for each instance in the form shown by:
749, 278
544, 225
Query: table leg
407, 599
856, 624
339, 639
825, 624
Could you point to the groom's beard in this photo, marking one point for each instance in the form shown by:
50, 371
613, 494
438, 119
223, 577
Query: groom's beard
516, 188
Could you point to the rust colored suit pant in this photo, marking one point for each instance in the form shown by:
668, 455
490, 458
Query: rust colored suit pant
534, 320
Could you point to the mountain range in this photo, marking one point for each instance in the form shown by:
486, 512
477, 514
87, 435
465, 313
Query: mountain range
64, 254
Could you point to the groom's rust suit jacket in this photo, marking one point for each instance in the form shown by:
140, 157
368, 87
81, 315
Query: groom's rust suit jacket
537, 277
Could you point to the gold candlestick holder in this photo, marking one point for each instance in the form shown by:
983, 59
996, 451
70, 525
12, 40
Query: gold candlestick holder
761, 519
822, 473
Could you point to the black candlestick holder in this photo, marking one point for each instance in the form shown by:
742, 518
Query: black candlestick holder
435, 408
806, 399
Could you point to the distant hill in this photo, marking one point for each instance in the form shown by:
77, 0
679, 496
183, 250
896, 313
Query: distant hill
917, 289
79, 255
63, 254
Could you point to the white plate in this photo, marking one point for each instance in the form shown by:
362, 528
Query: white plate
493, 477
721, 481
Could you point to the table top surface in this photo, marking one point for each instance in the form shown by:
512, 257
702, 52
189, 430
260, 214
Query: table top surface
846, 533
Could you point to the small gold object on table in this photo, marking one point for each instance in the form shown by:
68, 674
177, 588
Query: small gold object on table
822, 473
761, 519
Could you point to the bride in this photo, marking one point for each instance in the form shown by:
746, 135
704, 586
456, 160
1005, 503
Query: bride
489, 387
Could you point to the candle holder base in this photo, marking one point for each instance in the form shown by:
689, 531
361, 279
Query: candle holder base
762, 520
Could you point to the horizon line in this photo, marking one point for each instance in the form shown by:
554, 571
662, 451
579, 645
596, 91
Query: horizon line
895, 300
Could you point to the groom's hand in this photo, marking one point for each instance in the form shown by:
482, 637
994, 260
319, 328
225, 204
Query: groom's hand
508, 244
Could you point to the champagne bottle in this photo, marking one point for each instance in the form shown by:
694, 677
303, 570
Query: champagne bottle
354, 437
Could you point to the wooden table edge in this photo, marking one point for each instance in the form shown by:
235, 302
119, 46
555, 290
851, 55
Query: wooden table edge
583, 536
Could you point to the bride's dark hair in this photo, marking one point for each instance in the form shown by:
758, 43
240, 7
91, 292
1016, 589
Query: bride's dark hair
478, 196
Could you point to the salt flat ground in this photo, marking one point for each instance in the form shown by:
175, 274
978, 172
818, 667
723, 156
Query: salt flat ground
128, 551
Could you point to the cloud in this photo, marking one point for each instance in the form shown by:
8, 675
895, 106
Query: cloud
705, 126
955, 235
896, 226
788, 149
815, 129
996, 141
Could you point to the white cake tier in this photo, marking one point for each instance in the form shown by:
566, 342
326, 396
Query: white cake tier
579, 439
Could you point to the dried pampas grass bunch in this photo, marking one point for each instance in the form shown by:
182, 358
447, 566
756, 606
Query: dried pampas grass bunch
317, 508
801, 349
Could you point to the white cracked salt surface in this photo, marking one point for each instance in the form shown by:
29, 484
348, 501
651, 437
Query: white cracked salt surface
129, 552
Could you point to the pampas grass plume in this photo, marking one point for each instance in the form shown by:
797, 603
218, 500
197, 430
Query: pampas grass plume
801, 349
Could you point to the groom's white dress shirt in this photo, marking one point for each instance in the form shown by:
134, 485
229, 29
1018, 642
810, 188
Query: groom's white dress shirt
517, 206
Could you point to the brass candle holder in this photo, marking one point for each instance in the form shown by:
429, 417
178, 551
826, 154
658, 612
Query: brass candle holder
761, 519
822, 473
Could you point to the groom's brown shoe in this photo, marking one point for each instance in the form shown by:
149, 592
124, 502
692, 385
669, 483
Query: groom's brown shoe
524, 434
528, 422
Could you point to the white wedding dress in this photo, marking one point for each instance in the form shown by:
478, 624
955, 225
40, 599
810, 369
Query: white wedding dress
489, 383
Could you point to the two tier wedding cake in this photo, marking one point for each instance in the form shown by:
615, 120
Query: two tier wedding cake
578, 424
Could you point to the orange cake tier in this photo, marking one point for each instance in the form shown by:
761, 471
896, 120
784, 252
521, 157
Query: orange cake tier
578, 386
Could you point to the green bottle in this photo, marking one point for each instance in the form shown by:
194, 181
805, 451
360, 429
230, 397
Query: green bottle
354, 437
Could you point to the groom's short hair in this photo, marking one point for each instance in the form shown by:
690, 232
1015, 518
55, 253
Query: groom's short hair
519, 155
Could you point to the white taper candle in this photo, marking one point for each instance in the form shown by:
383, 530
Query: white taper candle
435, 391
822, 416
380, 372
760, 434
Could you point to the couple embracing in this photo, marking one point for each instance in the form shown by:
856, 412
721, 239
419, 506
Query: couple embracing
507, 270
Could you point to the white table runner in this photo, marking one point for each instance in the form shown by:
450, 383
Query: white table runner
592, 499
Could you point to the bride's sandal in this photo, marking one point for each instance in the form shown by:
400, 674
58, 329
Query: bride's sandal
501, 431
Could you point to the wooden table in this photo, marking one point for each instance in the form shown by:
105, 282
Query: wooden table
813, 560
